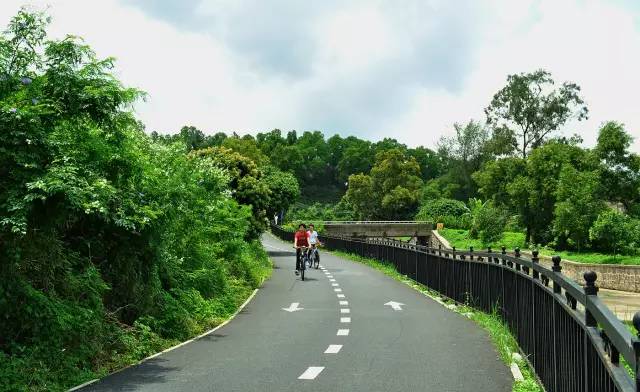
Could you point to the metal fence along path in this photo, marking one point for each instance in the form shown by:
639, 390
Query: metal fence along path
572, 340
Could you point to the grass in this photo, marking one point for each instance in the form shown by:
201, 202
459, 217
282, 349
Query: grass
593, 257
460, 239
498, 331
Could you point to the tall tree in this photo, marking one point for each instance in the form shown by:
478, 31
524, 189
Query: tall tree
528, 109
621, 168
465, 152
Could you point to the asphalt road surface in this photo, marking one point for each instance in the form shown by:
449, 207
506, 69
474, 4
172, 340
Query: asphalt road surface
336, 334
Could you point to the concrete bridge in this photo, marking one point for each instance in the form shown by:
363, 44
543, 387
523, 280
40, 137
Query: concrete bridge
380, 229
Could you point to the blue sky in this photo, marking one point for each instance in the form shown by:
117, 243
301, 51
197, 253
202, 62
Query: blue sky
372, 68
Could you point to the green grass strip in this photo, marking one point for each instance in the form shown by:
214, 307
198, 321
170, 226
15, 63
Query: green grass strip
500, 335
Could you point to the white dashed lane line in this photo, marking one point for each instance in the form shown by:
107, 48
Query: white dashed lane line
311, 373
343, 332
345, 319
345, 311
333, 349
340, 295
337, 290
344, 302
335, 284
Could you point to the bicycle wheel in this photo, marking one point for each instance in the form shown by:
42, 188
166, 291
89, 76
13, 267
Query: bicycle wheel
304, 267
316, 259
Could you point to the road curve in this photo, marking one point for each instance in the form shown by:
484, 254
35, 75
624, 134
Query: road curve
344, 339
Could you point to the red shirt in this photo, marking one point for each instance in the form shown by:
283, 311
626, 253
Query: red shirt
302, 237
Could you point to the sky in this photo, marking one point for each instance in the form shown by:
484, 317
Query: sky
404, 69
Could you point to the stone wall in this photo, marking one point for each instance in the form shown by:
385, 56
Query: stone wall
610, 276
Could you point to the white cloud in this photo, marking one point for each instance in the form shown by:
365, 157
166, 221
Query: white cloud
364, 67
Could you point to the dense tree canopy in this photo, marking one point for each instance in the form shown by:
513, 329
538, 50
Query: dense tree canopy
390, 191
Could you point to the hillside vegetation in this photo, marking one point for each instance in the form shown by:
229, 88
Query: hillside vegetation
112, 246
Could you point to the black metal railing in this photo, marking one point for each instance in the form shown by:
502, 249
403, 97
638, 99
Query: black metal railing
571, 339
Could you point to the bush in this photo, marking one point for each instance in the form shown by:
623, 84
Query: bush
615, 232
452, 213
489, 223
111, 245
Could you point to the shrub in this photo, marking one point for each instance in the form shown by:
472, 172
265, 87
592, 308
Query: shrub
615, 232
489, 222
452, 213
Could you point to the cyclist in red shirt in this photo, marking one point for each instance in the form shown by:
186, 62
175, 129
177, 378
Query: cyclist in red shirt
300, 240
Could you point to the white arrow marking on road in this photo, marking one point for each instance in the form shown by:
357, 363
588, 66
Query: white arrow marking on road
293, 307
311, 373
395, 305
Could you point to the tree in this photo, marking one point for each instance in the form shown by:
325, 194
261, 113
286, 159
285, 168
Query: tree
527, 187
246, 182
465, 152
527, 110
431, 163
192, 137
615, 232
357, 158
578, 206
390, 191
247, 147
267, 142
621, 169
284, 190
360, 196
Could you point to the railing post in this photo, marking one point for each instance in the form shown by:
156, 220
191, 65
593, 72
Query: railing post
517, 255
590, 289
557, 269
504, 252
535, 260
636, 348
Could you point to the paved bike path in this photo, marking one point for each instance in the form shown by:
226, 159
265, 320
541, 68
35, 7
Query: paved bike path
423, 347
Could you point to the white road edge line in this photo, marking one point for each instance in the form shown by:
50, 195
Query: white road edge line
345, 319
311, 373
340, 295
345, 310
275, 247
337, 290
174, 347
331, 280
335, 284
344, 302
343, 332
515, 370
333, 349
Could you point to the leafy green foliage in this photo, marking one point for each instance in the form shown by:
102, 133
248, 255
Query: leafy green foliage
615, 232
112, 246
578, 205
620, 175
390, 191
452, 213
528, 109
489, 222
462, 240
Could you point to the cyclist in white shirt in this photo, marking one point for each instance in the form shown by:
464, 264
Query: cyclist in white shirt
313, 239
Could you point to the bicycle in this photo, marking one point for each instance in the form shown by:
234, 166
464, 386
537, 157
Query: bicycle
314, 257
304, 255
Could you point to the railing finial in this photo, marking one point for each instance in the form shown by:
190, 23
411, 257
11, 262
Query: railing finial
590, 277
636, 323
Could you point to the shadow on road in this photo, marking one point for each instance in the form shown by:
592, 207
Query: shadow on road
279, 253
152, 371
